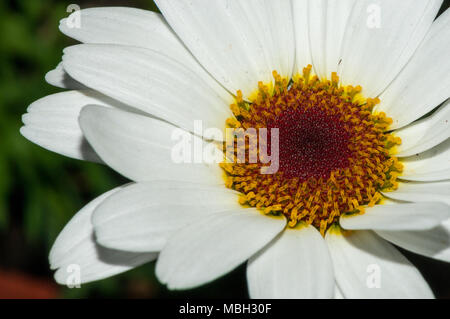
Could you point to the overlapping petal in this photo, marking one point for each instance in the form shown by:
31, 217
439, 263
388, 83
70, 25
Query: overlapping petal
422, 192
79, 259
432, 165
141, 148
52, 122
58, 77
380, 39
434, 243
136, 28
295, 265
143, 216
238, 42
328, 20
367, 266
424, 82
149, 81
425, 134
301, 27
214, 245
406, 216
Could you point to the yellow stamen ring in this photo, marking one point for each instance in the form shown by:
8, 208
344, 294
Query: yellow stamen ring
314, 185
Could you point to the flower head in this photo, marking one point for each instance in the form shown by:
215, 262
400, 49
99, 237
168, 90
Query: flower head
343, 83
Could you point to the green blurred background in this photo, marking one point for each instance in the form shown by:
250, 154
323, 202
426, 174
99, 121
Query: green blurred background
40, 191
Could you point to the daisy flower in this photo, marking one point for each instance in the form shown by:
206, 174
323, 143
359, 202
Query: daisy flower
364, 162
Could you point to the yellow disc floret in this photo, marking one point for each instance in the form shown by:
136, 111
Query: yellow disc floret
333, 151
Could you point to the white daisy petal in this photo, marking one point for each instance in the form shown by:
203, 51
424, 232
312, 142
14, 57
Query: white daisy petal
367, 266
138, 28
413, 216
328, 21
142, 216
434, 243
432, 165
238, 42
424, 83
338, 293
214, 245
59, 78
75, 251
317, 25
52, 122
140, 147
121, 25
274, 22
150, 81
301, 27
422, 192
425, 134
281, 20
381, 37
295, 265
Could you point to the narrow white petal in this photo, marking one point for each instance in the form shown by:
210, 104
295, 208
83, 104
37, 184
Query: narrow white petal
150, 81
432, 165
295, 265
140, 147
434, 243
317, 25
413, 216
137, 28
338, 293
424, 83
121, 25
301, 27
422, 192
214, 245
59, 78
367, 266
52, 123
381, 37
143, 216
238, 42
75, 252
274, 25
425, 134
328, 21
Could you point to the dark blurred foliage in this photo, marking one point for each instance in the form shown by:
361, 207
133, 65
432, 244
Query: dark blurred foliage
40, 191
